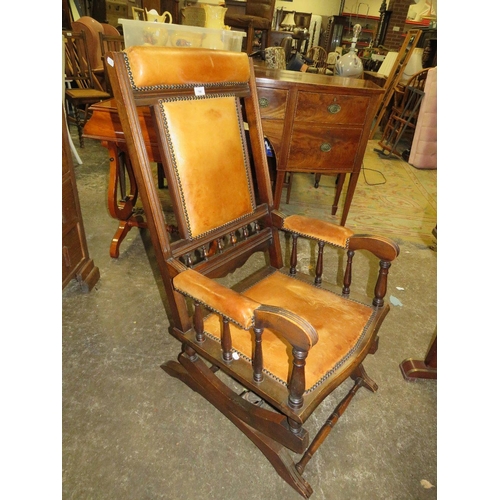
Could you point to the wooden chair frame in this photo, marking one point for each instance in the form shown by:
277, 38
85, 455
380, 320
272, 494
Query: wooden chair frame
211, 88
79, 75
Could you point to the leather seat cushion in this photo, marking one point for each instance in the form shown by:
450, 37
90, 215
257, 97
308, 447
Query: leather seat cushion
341, 325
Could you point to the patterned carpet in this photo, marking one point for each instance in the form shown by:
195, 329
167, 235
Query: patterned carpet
392, 199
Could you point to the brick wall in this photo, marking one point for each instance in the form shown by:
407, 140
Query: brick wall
394, 39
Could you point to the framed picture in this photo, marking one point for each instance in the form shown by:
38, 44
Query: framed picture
138, 14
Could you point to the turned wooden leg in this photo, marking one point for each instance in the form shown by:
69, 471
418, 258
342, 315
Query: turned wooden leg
338, 192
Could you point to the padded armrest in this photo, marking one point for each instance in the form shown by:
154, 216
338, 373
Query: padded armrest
336, 235
316, 229
244, 311
217, 297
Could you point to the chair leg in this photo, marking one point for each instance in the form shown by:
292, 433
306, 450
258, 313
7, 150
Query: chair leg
79, 125
289, 187
328, 425
250, 37
189, 368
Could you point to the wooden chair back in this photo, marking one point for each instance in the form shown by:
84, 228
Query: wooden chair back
108, 43
77, 66
214, 198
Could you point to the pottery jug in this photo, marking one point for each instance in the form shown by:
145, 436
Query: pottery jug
153, 16
214, 16
214, 19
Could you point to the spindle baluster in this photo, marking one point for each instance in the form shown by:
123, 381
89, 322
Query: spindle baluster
293, 256
226, 341
298, 380
348, 274
198, 322
258, 360
381, 286
204, 252
220, 244
319, 264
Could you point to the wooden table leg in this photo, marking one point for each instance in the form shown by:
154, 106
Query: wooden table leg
353, 180
121, 198
427, 368
338, 192
280, 181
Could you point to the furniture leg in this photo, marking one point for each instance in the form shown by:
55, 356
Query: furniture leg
280, 181
277, 455
350, 193
427, 368
121, 206
338, 192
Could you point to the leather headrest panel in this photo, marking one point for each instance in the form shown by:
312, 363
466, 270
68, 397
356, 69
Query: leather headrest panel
163, 67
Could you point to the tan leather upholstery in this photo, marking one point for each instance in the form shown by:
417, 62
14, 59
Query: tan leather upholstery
218, 297
318, 229
202, 124
221, 66
326, 312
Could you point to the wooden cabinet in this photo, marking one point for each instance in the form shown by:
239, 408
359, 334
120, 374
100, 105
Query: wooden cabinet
76, 263
317, 123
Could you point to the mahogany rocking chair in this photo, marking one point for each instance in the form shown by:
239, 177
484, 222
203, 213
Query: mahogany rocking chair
283, 335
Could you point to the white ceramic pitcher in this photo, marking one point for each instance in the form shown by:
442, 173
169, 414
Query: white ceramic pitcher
153, 16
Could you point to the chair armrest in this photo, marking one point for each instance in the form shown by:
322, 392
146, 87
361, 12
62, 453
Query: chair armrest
217, 297
243, 311
336, 235
383, 248
312, 228
299, 332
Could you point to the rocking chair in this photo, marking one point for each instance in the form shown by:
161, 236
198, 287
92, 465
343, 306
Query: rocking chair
283, 335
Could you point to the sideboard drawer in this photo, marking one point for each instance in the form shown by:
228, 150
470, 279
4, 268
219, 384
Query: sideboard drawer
331, 108
272, 103
320, 148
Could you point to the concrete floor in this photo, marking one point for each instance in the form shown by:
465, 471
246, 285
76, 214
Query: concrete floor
132, 432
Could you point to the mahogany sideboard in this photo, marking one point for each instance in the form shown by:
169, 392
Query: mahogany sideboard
315, 123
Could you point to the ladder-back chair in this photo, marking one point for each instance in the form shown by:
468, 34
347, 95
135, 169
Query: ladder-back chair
283, 335
404, 114
78, 74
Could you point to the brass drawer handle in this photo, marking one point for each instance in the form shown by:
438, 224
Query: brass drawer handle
334, 108
263, 102
325, 147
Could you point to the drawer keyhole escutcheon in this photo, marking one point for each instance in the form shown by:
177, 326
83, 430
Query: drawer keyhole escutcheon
263, 102
325, 147
334, 108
